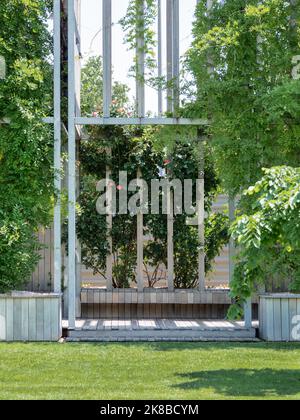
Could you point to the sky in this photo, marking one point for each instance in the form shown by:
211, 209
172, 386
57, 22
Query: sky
91, 38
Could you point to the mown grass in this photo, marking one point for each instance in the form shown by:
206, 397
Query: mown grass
150, 371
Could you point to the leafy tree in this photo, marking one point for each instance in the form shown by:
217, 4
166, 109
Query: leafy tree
92, 89
253, 103
25, 143
267, 233
252, 99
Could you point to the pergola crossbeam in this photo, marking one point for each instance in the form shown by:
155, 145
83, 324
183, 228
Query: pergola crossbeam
140, 121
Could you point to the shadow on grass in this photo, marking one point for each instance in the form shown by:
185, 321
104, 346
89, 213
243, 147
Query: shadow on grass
171, 346
176, 346
244, 382
194, 346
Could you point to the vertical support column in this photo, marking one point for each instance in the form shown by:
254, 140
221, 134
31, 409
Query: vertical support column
140, 238
159, 58
71, 167
77, 8
140, 108
78, 57
170, 251
171, 55
109, 225
107, 99
169, 28
107, 57
201, 217
57, 148
176, 57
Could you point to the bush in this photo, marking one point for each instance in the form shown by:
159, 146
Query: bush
26, 145
18, 251
267, 233
133, 148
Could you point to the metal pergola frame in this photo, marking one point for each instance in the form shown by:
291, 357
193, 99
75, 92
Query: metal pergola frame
75, 120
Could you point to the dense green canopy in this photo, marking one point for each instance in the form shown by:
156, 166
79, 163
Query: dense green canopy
252, 97
25, 144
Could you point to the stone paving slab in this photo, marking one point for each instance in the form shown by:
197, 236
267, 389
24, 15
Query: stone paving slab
160, 330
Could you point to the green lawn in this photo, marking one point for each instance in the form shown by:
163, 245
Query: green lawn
150, 371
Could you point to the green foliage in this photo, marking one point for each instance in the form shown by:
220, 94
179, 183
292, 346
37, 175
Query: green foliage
25, 144
132, 149
136, 28
216, 236
149, 149
92, 90
187, 248
251, 98
253, 104
128, 153
268, 231
18, 251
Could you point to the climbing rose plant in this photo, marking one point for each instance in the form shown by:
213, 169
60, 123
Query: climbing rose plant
149, 149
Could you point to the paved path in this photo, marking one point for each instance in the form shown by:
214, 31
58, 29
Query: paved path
160, 330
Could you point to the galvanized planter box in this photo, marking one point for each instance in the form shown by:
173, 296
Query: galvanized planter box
28, 316
279, 317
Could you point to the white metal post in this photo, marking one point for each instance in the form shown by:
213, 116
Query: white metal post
140, 237
57, 147
71, 167
107, 57
78, 135
173, 103
107, 100
170, 244
170, 108
109, 225
159, 57
201, 217
140, 99
169, 29
176, 56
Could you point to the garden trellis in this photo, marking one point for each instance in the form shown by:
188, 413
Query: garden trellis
76, 122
